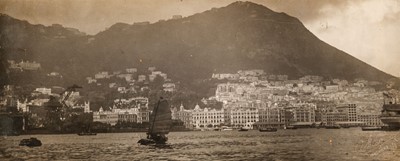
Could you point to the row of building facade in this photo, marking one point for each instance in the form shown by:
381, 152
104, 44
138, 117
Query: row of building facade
305, 114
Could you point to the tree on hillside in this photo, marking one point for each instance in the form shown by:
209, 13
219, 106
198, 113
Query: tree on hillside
54, 115
3, 70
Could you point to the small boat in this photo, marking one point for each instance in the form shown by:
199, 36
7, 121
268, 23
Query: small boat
31, 142
160, 125
86, 133
243, 129
345, 126
268, 129
226, 128
217, 129
371, 128
332, 127
291, 127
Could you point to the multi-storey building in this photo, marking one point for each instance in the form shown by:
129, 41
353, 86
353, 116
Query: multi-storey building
44, 90
243, 117
141, 78
370, 119
352, 112
304, 112
270, 117
207, 118
333, 118
184, 115
108, 117
127, 117
101, 75
128, 110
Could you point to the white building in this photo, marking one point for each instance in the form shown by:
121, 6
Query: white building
44, 90
131, 70
138, 115
243, 117
141, 78
369, 119
101, 75
184, 115
169, 87
207, 118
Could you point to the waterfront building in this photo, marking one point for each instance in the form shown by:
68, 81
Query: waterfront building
369, 119
304, 113
108, 117
143, 115
184, 115
137, 115
124, 110
209, 118
269, 117
352, 112
127, 117
243, 117
334, 117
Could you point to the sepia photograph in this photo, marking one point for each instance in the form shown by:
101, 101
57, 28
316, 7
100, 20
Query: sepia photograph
191, 80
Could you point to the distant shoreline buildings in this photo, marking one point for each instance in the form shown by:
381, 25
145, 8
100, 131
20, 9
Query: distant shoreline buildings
249, 98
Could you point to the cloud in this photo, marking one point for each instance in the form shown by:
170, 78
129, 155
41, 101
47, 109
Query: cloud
367, 30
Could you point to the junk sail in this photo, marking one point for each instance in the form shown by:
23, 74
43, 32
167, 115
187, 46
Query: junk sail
160, 119
160, 124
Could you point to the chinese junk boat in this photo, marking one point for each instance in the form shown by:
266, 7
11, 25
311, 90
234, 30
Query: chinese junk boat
160, 124
31, 142
390, 112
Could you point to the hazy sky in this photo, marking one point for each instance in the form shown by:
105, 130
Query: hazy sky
367, 29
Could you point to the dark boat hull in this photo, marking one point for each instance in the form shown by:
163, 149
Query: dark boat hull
332, 127
371, 128
268, 130
31, 142
86, 134
392, 121
146, 142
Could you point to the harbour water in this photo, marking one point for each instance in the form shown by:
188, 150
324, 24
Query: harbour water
301, 144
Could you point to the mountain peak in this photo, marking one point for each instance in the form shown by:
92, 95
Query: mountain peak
249, 6
240, 36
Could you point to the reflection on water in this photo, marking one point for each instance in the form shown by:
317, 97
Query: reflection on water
300, 144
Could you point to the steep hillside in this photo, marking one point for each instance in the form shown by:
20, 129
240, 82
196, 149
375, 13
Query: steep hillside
242, 35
